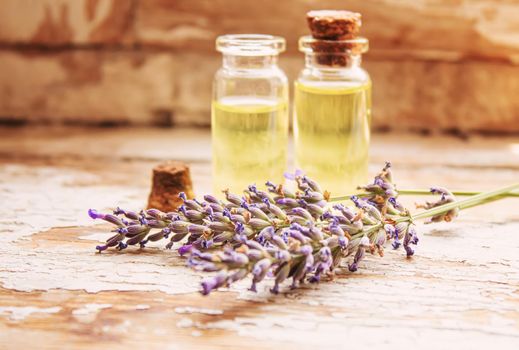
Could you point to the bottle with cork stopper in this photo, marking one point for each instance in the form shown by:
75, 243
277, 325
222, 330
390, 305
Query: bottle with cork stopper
332, 98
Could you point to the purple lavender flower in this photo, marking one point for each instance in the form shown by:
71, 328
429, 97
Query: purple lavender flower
259, 271
211, 199
294, 176
280, 232
211, 283
410, 238
94, 214
287, 202
281, 275
359, 255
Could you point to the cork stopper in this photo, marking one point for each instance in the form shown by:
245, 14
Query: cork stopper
168, 180
334, 36
334, 25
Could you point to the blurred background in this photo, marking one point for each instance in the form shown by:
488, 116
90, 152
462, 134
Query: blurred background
437, 65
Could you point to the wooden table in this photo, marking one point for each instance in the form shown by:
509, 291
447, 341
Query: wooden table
460, 290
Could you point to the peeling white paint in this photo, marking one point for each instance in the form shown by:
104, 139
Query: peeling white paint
142, 307
88, 313
185, 323
192, 310
20, 313
90, 309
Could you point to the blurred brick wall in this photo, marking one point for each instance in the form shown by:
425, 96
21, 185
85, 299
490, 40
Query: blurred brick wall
436, 64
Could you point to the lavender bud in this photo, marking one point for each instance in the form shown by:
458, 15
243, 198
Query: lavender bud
134, 230
94, 214
194, 215
271, 186
206, 243
313, 184
255, 254
193, 205
311, 196
259, 271
409, 251
211, 199
364, 242
306, 250
315, 210
281, 275
186, 248
219, 226
156, 236
343, 242
258, 213
294, 176
122, 230
215, 208
259, 224
238, 219
347, 212
401, 229
234, 259
282, 256
196, 229
336, 230
138, 238
223, 237
179, 226
157, 214
178, 237
359, 255
298, 235
113, 219
381, 239
298, 220
353, 267
212, 283
301, 212
278, 241
232, 198
315, 234
156, 224
236, 276
253, 245
274, 209
287, 202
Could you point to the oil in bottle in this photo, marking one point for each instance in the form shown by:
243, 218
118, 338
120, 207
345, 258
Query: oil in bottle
332, 133
249, 136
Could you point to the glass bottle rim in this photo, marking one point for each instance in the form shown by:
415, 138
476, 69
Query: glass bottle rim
309, 44
250, 44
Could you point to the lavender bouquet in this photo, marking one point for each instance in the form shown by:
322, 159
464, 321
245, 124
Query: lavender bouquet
285, 234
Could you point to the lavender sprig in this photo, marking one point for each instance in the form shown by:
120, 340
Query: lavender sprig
283, 233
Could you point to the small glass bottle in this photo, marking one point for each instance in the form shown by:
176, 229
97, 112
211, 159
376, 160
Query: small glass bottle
332, 114
249, 114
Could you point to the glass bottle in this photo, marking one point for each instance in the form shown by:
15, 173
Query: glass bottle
332, 114
249, 114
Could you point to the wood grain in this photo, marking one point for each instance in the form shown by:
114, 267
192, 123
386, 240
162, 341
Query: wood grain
442, 65
460, 290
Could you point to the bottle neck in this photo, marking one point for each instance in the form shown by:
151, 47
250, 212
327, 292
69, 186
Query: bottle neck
249, 62
332, 61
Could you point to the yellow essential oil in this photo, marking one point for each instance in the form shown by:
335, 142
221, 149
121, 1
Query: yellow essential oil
332, 132
249, 136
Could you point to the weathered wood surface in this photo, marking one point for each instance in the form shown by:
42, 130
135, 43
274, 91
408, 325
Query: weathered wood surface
461, 290
442, 64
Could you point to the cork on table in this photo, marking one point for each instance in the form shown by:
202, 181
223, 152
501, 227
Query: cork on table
461, 289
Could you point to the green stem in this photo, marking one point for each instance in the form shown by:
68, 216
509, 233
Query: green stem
456, 193
463, 204
421, 193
